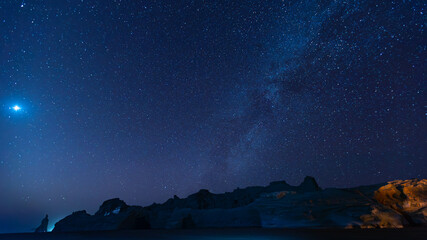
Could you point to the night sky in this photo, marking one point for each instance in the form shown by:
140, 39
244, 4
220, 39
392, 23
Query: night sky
146, 99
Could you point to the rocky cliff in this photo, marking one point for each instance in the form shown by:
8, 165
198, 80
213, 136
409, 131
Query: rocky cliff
279, 205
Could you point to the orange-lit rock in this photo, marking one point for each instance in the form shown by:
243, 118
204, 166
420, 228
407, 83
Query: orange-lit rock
407, 197
403, 195
381, 217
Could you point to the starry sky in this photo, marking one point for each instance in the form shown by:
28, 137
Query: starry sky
146, 99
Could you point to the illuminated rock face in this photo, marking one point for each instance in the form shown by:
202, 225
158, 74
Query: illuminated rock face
381, 217
407, 197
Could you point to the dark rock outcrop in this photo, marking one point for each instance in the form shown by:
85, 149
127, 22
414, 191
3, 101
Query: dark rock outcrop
112, 206
187, 222
77, 220
43, 225
108, 217
309, 184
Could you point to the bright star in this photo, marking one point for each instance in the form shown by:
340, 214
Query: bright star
16, 108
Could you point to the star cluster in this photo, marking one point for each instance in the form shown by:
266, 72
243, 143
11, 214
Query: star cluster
144, 100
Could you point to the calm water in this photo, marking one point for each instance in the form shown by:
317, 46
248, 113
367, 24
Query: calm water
230, 234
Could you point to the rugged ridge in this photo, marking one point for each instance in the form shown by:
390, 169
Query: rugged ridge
394, 204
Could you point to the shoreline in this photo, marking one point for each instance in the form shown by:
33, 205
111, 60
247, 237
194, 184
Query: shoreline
229, 234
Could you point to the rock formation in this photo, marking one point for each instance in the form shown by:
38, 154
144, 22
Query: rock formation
279, 205
408, 198
43, 225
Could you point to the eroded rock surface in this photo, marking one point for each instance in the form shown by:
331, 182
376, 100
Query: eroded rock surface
407, 197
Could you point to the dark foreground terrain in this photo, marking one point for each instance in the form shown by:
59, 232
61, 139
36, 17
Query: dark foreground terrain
396, 204
231, 234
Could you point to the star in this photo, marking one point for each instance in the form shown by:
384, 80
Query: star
16, 108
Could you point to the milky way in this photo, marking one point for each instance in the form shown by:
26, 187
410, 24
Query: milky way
144, 100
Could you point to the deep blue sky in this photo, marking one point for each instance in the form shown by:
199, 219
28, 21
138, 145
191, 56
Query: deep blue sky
146, 99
